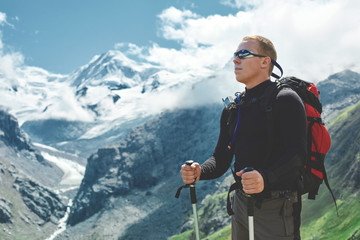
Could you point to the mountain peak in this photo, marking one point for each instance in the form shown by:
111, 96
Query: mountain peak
113, 64
339, 91
346, 78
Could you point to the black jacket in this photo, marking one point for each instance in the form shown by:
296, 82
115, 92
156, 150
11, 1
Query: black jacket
282, 170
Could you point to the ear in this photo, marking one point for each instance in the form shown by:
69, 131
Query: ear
265, 63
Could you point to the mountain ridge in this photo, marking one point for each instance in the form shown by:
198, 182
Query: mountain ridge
342, 90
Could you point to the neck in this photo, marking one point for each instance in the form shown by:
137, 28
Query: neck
254, 83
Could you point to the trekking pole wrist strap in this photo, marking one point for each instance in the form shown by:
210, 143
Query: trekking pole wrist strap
192, 192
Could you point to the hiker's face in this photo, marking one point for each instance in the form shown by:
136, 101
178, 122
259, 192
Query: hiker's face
247, 69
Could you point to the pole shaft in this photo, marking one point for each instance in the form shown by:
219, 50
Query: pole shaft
251, 228
193, 202
250, 210
192, 193
196, 223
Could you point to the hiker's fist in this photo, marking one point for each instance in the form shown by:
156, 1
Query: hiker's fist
252, 181
191, 173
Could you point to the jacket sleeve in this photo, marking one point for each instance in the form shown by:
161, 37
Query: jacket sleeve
221, 159
290, 120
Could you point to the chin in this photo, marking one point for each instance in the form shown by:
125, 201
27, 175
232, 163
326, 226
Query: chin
240, 80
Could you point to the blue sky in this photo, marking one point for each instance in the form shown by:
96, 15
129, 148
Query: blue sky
61, 36
313, 38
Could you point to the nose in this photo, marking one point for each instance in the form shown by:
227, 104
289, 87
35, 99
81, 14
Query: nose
236, 60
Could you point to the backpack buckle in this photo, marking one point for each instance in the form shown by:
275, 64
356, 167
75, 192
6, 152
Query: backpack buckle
229, 103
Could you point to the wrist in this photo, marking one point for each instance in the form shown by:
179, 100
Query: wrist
266, 182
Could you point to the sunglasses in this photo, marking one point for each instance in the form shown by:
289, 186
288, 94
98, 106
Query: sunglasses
246, 53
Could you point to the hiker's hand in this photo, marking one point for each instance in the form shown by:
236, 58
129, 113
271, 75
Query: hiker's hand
190, 173
252, 181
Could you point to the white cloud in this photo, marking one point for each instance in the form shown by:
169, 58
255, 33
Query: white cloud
9, 65
313, 38
65, 106
203, 40
129, 48
2, 18
134, 49
242, 4
187, 59
27, 90
174, 16
10, 62
119, 45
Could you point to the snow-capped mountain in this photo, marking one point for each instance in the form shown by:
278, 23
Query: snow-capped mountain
113, 69
98, 102
113, 86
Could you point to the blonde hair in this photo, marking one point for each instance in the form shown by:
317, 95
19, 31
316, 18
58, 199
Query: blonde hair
266, 47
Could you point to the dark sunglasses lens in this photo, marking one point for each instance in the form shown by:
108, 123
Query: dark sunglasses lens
242, 53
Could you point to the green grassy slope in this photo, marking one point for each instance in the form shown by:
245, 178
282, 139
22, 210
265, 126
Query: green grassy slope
320, 220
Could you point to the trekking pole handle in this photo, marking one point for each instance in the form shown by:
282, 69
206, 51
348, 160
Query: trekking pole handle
250, 201
192, 185
248, 169
189, 162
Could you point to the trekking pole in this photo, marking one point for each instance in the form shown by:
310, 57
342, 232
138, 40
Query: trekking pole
193, 201
250, 209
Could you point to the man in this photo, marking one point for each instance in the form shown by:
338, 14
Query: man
277, 171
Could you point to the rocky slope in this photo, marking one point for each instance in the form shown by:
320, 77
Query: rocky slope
14, 137
339, 91
344, 157
145, 166
16, 146
28, 207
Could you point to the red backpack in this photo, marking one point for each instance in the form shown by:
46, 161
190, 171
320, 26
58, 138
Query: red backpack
318, 138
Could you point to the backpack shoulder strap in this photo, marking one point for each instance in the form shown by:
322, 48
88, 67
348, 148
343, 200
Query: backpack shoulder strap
268, 98
266, 102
